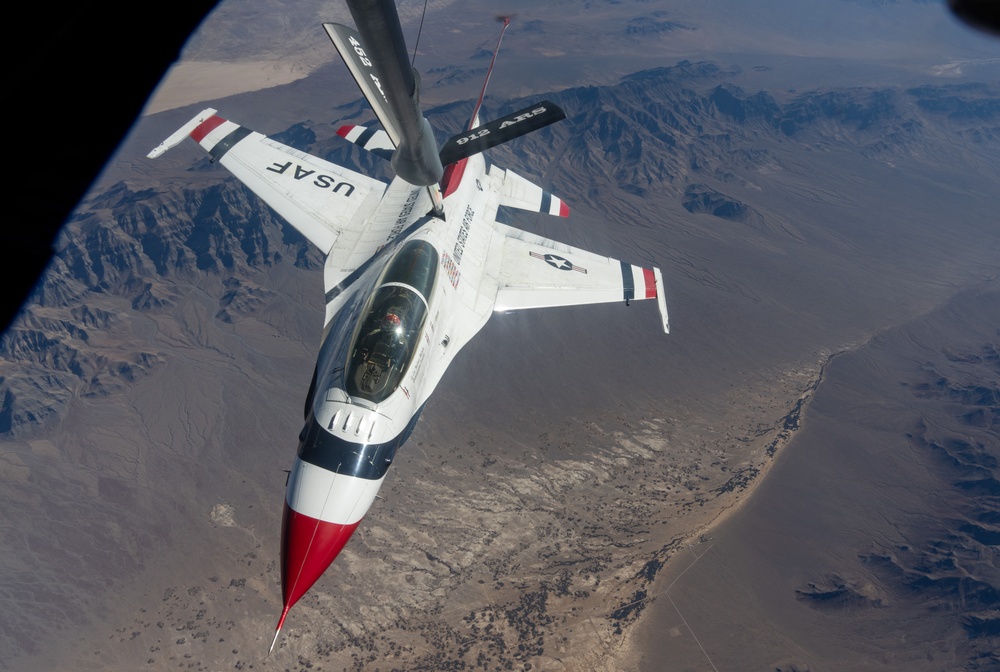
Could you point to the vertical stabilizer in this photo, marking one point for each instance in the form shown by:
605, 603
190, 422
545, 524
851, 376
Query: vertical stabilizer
392, 86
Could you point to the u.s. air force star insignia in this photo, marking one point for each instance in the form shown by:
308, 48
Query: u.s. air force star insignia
555, 261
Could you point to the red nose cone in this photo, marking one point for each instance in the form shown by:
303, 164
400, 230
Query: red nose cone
308, 546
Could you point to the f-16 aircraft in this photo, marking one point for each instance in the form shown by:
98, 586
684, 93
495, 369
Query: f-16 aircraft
413, 271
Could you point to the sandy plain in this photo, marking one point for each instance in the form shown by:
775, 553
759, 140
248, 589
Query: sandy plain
872, 545
190, 82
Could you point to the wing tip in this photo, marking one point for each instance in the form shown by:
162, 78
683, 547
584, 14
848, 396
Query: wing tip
184, 131
661, 299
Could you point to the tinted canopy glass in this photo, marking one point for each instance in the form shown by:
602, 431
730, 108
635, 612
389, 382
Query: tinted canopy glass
390, 329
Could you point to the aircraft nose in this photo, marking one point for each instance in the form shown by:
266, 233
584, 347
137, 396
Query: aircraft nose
308, 547
322, 510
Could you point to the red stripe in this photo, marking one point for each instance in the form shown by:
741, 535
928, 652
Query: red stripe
343, 131
308, 547
647, 274
453, 177
206, 127
563, 208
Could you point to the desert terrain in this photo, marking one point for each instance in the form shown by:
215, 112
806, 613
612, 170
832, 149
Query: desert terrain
808, 211
872, 545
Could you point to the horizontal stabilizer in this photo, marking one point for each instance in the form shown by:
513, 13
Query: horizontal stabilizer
497, 132
374, 140
517, 192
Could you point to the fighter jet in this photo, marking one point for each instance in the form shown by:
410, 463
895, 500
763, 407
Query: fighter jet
413, 271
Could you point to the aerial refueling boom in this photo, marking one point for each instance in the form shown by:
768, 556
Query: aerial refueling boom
416, 157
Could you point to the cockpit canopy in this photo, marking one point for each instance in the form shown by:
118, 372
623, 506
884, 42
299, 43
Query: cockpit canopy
392, 322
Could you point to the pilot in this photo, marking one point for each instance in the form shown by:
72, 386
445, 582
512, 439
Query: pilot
392, 327
391, 322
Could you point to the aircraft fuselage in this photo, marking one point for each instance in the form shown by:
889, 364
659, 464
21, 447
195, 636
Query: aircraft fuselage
391, 332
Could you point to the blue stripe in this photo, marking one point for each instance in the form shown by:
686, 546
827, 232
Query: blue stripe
228, 142
628, 284
369, 461
366, 136
546, 202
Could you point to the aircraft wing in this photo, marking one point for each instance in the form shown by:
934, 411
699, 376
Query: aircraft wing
320, 199
537, 272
